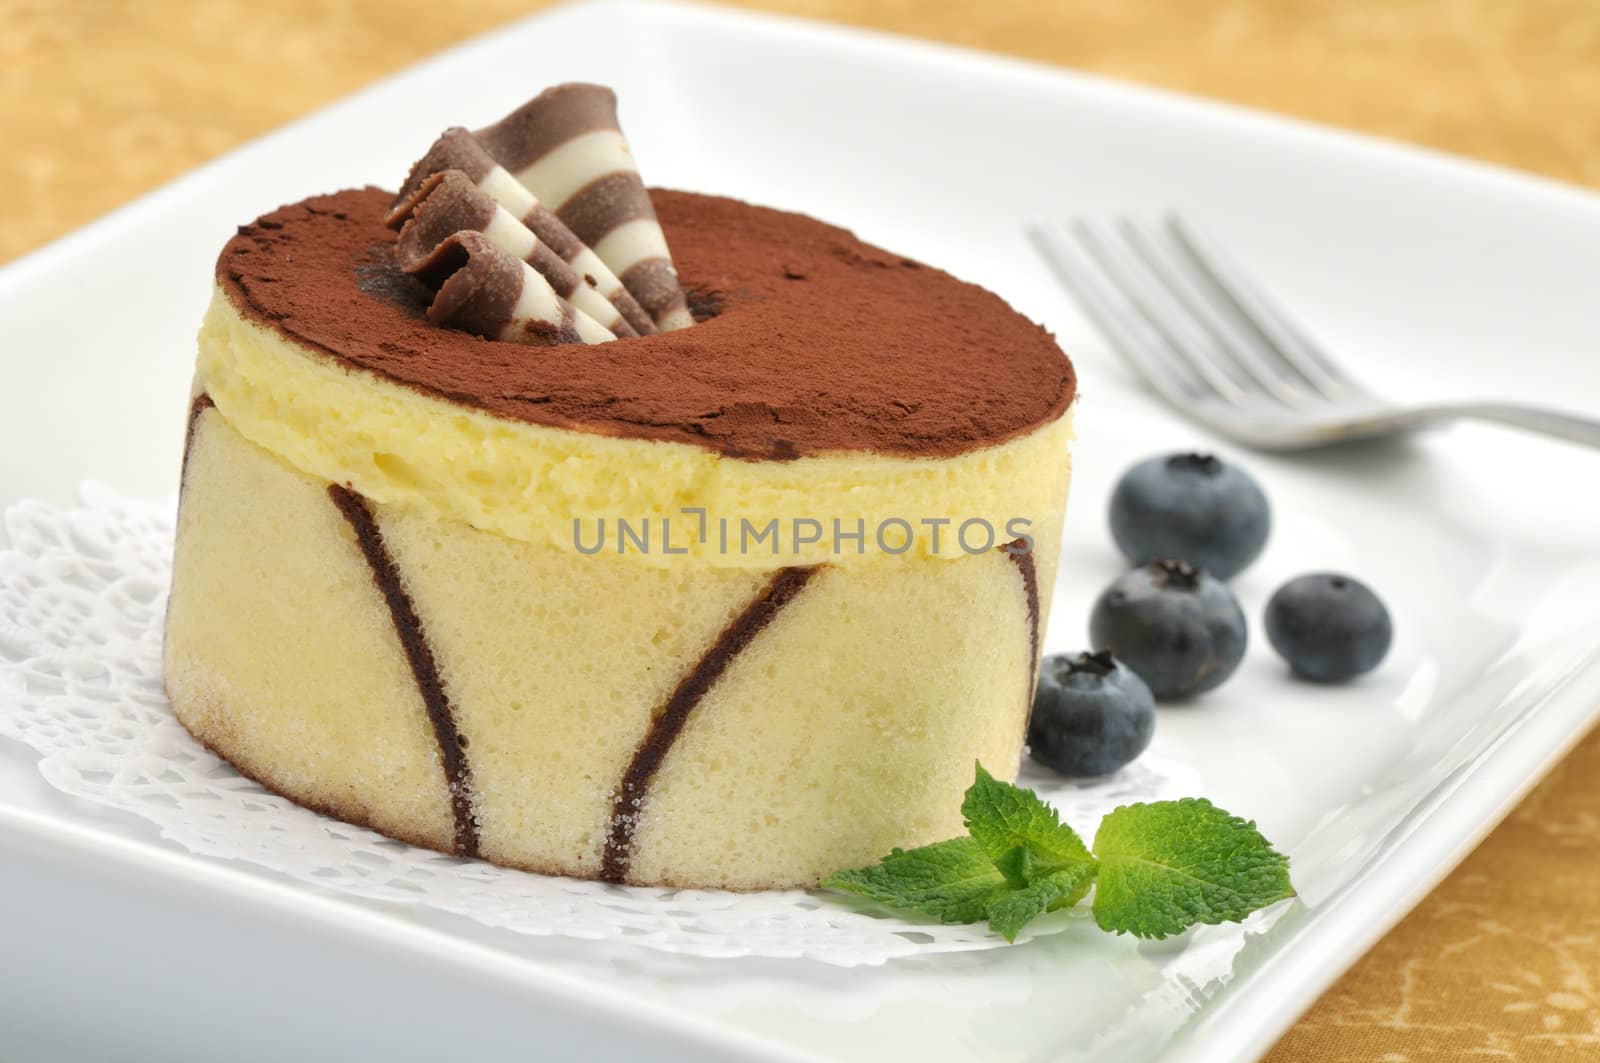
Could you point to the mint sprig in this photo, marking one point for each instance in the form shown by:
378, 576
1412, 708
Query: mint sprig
1161, 867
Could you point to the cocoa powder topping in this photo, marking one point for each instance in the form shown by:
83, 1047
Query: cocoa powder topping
810, 342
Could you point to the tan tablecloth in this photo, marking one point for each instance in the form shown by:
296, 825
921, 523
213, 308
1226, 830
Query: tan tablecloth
100, 101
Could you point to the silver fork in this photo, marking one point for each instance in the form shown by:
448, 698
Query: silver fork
1211, 343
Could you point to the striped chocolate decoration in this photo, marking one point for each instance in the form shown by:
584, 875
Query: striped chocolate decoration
448, 203
491, 292
457, 150
566, 146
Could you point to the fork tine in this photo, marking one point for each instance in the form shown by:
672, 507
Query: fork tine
1164, 315
1281, 335
1223, 338
1167, 376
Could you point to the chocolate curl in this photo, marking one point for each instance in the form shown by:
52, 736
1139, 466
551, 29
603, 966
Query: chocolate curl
457, 150
566, 146
449, 203
493, 293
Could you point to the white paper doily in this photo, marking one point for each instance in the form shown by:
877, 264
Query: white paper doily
82, 597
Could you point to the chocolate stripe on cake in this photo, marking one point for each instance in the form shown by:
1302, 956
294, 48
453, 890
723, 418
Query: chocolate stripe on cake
491, 292
449, 203
414, 641
566, 146
202, 402
457, 150
197, 409
628, 804
1021, 553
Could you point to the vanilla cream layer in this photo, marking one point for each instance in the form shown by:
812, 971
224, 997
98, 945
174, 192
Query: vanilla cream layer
529, 482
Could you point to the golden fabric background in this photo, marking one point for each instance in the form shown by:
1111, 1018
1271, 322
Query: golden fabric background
102, 100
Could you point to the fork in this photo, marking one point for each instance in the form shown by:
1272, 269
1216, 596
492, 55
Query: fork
1217, 348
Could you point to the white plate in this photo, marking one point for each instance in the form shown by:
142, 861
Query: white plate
1431, 276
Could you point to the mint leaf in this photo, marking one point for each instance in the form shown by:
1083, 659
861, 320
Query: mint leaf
1162, 867
1020, 861
1012, 909
1025, 837
1168, 865
952, 881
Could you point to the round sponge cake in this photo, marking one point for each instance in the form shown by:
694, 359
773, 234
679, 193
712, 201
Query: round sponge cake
732, 606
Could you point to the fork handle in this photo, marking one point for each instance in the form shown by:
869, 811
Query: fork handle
1570, 427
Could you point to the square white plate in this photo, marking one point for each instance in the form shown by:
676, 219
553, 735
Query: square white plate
1431, 276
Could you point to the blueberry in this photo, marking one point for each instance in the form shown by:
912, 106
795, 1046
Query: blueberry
1328, 627
1180, 628
1091, 715
1190, 507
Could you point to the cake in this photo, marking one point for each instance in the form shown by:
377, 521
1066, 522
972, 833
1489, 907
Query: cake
733, 600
